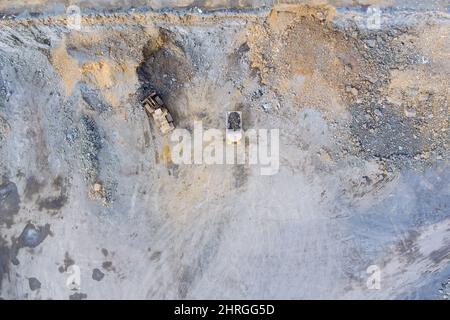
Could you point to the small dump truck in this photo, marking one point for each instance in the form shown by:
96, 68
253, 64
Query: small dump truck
154, 106
234, 127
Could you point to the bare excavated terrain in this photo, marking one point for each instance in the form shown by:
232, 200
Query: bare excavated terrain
364, 174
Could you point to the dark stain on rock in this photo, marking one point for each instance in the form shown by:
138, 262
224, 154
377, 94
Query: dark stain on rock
146, 139
58, 183
32, 236
440, 255
408, 248
68, 261
52, 203
4, 260
240, 175
55, 203
32, 187
9, 202
34, 284
78, 296
107, 265
105, 252
97, 274
186, 279
155, 256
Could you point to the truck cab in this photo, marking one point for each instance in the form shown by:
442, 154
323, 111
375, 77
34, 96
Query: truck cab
234, 127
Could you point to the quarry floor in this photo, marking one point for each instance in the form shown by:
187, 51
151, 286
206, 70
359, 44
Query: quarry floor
363, 178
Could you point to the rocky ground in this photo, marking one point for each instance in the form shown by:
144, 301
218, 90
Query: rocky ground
87, 181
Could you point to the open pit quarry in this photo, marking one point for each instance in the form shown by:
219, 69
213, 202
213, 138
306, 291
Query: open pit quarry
94, 206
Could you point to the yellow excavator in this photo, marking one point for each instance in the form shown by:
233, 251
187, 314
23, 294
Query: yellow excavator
154, 106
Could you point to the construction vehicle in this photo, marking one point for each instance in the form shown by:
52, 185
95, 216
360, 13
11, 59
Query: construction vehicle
154, 106
234, 127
